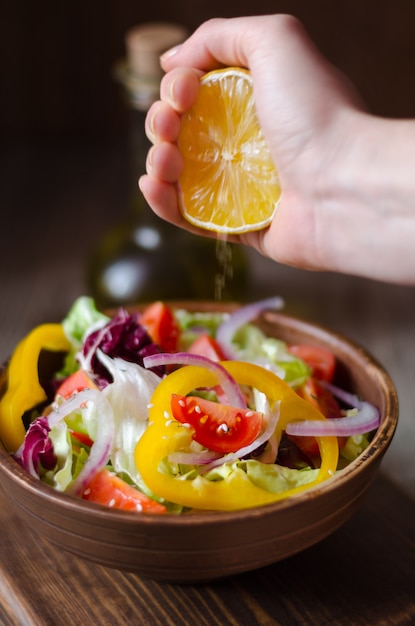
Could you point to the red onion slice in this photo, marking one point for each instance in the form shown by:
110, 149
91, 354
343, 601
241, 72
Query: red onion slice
364, 421
345, 396
241, 316
225, 380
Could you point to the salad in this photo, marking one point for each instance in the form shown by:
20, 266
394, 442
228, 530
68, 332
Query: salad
170, 411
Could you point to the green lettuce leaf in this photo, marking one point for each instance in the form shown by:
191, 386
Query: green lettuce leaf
81, 317
61, 476
268, 476
251, 344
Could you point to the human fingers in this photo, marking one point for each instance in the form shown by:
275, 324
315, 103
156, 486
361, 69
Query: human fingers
164, 162
178, 91
276, 48
180, 88
213, 44
290, 76
162, 198
241, 41
164, 165
162, 123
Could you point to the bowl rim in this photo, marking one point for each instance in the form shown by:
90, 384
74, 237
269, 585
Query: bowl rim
376, 449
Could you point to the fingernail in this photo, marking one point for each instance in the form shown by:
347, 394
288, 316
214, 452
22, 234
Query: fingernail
149, 161
170, 53
150, 132
170, 93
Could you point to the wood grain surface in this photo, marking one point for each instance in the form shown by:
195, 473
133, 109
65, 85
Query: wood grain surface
56, 199
362, 575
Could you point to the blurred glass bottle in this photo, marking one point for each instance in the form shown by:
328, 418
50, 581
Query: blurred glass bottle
145, 258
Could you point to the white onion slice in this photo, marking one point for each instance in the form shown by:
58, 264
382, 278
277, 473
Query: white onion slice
241, 316
85, 360
101, 448
225, 380
74, 403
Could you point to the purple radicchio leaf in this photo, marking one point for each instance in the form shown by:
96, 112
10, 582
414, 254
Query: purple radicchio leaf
37, 448
124, 337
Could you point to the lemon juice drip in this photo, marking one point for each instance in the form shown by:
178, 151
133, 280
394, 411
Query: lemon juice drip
225, 265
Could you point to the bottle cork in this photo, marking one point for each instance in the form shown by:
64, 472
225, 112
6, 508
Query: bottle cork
145, 43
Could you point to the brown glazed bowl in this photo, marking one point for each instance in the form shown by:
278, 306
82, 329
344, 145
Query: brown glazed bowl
206, 546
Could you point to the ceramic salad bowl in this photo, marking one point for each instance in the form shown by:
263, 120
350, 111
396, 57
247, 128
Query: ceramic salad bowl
204, 546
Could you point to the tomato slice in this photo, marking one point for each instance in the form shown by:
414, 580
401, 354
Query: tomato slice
322, 362
317, 395
219, 427
207, 346
75, 382
109, 490
81, 437
161, 325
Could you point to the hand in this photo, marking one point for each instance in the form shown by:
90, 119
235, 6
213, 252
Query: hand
322, 140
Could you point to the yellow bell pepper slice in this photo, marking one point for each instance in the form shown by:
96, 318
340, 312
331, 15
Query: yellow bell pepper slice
24, 390
164, 435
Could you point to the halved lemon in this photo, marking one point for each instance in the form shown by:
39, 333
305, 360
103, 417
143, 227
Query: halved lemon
229, 183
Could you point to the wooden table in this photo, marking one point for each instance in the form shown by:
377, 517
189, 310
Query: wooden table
55, 201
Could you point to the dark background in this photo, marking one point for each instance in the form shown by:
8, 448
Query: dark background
65, 164
56, 56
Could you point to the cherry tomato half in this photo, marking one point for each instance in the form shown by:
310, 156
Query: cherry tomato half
314, 392
217, 426
161, 325
207, 346
75, 382
321, 361
109, 490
